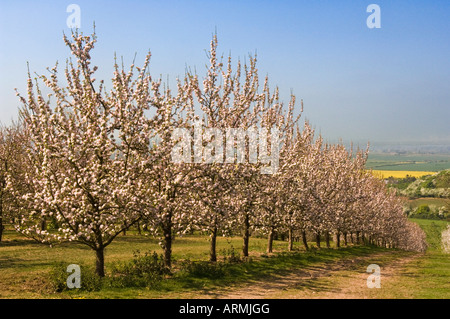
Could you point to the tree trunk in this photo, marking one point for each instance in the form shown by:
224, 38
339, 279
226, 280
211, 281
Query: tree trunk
100, 262
125, 229
1, 220
43, 224
1, 228
290, 240
212, 252
345, 239
318, 240
327, 239
357, 238
338, 239
168, 246
246, 235
139, 228
364, 238
270, 241
305, 242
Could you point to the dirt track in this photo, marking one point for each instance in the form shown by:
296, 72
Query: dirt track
344, 279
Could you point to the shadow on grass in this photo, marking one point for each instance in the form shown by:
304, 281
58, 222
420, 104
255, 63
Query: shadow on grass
29, 243
315, 285
20, 263
19, 242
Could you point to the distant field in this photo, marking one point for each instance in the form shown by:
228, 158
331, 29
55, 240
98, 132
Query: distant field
437, 202
408, 162
400, 174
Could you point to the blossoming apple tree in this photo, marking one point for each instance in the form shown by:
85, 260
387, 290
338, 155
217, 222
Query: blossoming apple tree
89, 144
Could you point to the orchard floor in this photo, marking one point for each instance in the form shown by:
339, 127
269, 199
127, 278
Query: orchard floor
319, 273
342, 280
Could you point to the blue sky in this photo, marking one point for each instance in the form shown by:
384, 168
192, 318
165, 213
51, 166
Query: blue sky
381, 85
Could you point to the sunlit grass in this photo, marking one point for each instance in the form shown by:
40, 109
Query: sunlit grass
25, 265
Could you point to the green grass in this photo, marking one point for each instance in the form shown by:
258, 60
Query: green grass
428, 277
419, 276
433, 229
25, 265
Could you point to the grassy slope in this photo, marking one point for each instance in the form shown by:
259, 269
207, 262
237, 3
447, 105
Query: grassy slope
24, 265
429, 275
424, 277
403, 275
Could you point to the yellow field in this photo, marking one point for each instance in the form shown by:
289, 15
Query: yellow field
400, 174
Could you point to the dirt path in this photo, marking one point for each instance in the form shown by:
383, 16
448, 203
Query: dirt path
344, 279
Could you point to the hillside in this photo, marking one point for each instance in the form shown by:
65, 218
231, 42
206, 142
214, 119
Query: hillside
436, 185
427, 197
